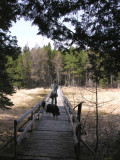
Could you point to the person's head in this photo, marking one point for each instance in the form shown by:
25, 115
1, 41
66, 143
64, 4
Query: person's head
54, 81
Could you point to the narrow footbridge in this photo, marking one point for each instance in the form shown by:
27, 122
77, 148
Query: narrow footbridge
38, 136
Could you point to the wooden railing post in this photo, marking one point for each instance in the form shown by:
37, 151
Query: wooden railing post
79, 138
38, 114
79, 111
79, 128
15, 138
31, 120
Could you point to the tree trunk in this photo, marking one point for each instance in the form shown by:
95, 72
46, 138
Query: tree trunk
97, 119
86, 79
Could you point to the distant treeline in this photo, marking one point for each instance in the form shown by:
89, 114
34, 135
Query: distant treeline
38, 67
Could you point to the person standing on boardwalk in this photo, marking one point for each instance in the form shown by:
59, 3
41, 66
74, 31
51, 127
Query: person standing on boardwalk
54, 94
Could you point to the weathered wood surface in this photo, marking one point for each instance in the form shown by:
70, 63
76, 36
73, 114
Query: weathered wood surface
50, 139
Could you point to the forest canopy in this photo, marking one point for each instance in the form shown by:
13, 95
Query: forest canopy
87, 24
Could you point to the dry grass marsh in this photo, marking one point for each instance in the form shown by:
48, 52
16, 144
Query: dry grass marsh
108, 99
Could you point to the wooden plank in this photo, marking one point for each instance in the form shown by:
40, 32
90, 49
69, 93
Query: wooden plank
44, 158
51, 134
48, 148
53, 125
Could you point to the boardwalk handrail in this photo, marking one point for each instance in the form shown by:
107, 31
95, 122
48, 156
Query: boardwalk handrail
31, 110
34, 113
73, 120
77, 128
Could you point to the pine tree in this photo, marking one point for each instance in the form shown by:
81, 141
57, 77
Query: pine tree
20, 72
58, 64
27, 66
69, 62
81, 66
8, 47
51, 53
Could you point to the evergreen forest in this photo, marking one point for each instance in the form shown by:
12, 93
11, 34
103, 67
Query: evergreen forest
38, 67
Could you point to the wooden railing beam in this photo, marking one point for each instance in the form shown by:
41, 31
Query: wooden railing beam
19, 139
33, 112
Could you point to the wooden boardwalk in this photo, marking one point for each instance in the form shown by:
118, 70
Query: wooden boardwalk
51, 139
